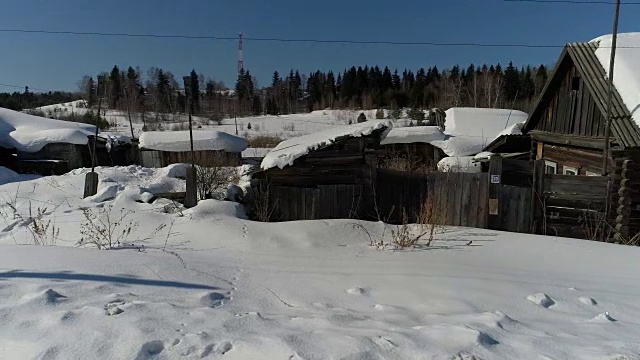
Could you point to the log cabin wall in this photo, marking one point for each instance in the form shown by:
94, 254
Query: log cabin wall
333, 182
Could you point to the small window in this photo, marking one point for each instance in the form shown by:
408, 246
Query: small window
575, 83
550, 167
591, 173
568, 170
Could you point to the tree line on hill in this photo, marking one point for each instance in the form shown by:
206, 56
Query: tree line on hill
371, 87
158, 93
27, 100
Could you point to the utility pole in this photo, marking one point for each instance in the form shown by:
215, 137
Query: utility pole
607, 134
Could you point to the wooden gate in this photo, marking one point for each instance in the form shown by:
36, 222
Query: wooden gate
321, 202
457, 199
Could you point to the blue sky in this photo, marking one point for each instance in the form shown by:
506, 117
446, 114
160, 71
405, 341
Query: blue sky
59, 61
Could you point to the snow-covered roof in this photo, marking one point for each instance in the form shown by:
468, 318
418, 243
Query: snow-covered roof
31, 133
469, 130
478, 122
626, 77
464, 164
178, 141
289, 150
414, 134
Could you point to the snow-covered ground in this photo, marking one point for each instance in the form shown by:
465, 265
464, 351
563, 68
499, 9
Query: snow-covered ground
283, 126
210, 284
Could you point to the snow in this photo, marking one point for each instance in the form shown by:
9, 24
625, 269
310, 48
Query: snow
211, 285
626, 77
467, 130
470, 130
466, 164
177, 141
31, 133
289, 150
414, 134
10, 176
478, 122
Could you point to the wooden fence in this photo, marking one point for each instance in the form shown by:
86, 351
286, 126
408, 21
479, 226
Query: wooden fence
322, 202
571, 206
458, 199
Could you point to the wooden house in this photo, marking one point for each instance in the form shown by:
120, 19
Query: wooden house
329, 174
211, 148
568, 131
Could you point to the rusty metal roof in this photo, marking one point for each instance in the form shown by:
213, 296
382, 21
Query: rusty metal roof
623, 128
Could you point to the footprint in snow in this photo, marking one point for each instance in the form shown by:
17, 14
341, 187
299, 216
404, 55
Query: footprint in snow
114, 307
541, 299
603, 318
587, 300
356, 291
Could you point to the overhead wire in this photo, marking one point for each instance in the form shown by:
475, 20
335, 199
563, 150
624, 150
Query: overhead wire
293, 40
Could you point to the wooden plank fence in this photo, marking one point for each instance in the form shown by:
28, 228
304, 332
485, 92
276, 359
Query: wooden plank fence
571, 206
323, 202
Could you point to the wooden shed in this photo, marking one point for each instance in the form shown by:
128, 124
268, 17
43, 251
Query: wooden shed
60, 158
326, 175
568, 130
412, 146
211, 148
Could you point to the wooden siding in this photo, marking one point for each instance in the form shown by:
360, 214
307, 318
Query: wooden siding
157, 159
583, 159
572, 112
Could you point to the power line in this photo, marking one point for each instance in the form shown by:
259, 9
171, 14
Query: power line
317, 41
284, 40
597, 2
24, 86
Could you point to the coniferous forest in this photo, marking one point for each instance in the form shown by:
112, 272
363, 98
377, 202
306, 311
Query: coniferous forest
159, 91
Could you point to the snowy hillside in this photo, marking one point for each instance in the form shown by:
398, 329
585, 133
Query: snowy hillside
205, 283
283, 126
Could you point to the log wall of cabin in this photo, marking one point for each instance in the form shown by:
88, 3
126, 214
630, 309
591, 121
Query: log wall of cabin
572, 110
341, 174
585, 160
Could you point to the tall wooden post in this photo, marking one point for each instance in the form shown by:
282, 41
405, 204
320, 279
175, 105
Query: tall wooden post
609, 119
191, 196
495, 183
91, 179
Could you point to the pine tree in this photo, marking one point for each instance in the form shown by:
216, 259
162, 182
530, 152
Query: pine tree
511, 83
115, 87
256, 105
540, 79
195, 92
91, 92
162, 89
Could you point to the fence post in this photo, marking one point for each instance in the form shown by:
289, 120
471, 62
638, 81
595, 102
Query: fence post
191, 196
537, 196
623, 210
369, 203
495, 181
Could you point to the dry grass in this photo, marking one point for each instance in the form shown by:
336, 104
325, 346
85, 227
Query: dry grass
264, 141
398, 162
262, 204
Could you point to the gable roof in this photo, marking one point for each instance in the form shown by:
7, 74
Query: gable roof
583, 56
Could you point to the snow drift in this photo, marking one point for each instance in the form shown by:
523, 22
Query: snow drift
289, 150
31, 133
178, 141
